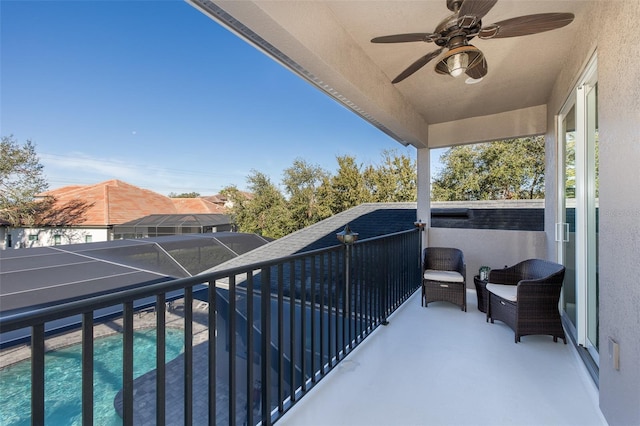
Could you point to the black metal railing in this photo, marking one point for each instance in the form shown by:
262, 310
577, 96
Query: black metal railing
273, 330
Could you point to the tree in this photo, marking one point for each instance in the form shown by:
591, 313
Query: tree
302, 182
237, 201
313, 194
184, 195
21, 182
266, 213
346, 189
506, 169
395, 180
458, 180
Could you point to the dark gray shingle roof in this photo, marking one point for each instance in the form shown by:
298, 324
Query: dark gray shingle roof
368, 220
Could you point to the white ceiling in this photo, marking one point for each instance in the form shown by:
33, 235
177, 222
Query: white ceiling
330, 42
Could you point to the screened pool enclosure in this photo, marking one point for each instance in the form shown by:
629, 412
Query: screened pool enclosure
46, 276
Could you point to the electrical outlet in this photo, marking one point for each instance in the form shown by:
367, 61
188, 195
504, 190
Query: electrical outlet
614, 353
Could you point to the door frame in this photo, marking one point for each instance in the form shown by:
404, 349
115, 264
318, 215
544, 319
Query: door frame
584, 246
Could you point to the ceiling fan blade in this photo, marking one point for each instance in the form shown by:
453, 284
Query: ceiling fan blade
477, 8
478, 71
525, 25
403, 38
416, 65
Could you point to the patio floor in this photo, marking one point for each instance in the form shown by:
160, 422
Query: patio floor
441, 366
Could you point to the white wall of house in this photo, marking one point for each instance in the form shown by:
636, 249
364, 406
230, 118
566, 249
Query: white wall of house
490, 247
611, 31
45, 237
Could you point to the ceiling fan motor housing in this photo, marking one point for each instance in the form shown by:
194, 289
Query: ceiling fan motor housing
455, 31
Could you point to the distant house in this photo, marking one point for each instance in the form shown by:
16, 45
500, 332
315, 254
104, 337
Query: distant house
113, 203
223, 201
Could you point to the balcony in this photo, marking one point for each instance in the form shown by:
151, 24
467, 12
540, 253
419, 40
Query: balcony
319, 349
441, 366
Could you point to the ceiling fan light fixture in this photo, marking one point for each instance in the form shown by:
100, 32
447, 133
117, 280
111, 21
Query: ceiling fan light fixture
457, 64
458, 60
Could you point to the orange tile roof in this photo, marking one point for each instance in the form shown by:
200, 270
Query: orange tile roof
196, 205
116, 202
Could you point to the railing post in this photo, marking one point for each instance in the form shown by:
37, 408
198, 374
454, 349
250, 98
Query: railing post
347, 238
212, 348
188, 355
160, 359
231, 342
87, 368
265, 320
37, 374
127, 363
250, 353
420, 225
385, 285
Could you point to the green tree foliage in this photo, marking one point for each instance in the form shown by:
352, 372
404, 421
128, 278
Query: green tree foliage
347, 188
21, 179
184, 195
394, 180
570, 168
301, 183
313, 194
506, 169
266, 213
21, 182
570, 165
238, 202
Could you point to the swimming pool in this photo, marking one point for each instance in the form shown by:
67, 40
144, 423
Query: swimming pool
63, 379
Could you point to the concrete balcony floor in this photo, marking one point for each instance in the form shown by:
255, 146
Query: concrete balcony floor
441, 366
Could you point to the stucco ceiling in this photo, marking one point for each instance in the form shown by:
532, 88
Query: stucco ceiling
329, 43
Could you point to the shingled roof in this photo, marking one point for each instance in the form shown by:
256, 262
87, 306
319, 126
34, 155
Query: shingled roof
368, 220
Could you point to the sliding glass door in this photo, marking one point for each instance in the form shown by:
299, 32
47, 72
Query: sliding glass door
566, 229
591, 211
577, 227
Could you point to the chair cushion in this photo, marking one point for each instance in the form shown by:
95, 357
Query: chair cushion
507, 292
445, 276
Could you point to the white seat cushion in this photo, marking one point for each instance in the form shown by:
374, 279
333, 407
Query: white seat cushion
507, 292
446, 276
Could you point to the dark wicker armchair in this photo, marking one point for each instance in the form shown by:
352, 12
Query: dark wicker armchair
525, 297
444, 276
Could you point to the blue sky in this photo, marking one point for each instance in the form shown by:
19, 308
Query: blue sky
158, 95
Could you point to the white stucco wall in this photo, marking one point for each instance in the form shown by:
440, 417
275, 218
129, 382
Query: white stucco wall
619, 120
510, 124
611, 31
490, 247
20, 237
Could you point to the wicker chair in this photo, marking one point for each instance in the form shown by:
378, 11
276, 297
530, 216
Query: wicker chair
444, 276
525, 297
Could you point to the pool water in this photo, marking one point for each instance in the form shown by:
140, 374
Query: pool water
63, 379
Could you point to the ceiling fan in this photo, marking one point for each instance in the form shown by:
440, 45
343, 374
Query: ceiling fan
455, 31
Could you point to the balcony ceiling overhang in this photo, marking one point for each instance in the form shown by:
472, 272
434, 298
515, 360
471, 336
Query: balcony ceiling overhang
329, 44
